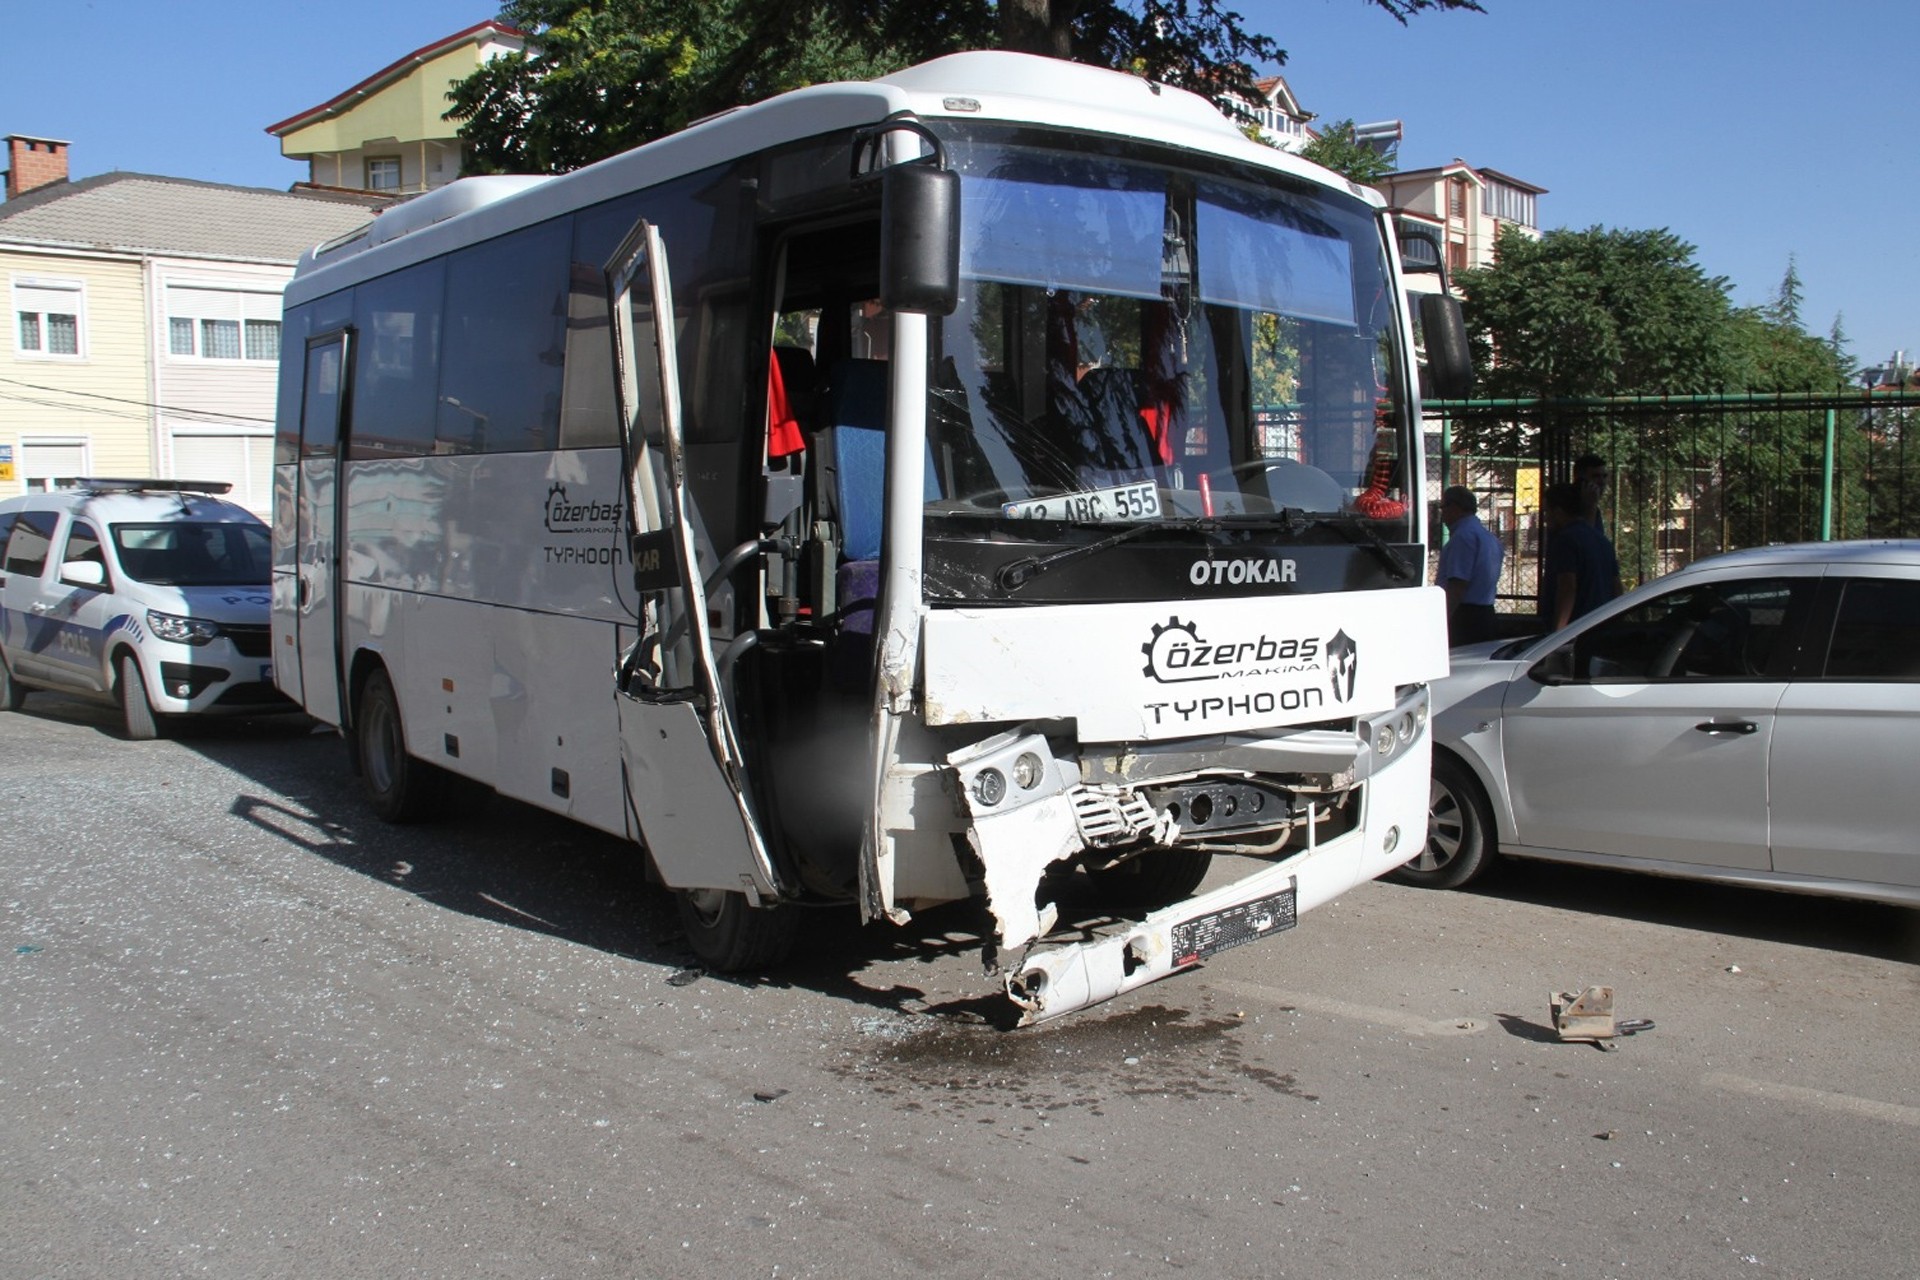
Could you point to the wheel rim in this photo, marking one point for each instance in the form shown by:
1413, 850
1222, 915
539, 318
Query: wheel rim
706, 905
1446, 829
383, 739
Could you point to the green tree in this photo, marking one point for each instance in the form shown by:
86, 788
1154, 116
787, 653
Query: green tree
607, 75
1837, 339
1785, 307
1631, 313
1597, 313
1339, 148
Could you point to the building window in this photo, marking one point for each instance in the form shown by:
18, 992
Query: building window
1509, 204
1457, 200
383, 173
207, 322
220, 339
263, 340
49, 316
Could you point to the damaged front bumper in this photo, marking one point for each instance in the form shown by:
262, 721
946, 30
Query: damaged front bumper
1028, 810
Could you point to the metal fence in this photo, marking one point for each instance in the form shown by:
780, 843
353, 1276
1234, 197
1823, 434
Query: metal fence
1689, 475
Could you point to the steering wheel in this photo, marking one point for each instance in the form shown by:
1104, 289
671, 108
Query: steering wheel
1289, 483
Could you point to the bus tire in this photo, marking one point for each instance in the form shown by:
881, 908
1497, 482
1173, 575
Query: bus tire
1156, 878
136, 709
400, 788
729, 935
12, 692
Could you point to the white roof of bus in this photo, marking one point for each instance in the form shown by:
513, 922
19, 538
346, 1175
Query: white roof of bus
976, 86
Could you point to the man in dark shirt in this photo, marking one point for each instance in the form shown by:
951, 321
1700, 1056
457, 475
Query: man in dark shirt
1580, 569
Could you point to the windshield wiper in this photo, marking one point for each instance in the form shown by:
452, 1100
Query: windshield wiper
1015, 574
1358, 532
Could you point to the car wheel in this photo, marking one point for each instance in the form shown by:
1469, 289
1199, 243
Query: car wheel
1460, 831
727, 934
136, 709
400, 788
12, 692
1156, 878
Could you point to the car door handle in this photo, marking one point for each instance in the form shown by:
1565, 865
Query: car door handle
1728, 726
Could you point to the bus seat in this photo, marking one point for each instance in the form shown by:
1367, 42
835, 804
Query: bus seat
856, 418
853, 427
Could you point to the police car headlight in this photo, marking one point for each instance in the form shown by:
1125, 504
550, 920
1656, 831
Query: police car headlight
171, 626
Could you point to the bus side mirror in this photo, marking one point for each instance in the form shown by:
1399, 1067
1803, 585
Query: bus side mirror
1449, 361
919, 239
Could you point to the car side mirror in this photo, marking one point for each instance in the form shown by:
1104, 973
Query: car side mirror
1556, 668
84, 573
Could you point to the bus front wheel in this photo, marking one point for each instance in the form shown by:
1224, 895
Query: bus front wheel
728, 934
1155, 878
400, 788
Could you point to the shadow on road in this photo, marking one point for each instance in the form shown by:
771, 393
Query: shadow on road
1830, 924
518, 866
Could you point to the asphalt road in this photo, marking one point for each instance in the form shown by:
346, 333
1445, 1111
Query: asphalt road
245, 1030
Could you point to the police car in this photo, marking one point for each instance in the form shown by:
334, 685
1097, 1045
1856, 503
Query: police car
149, 594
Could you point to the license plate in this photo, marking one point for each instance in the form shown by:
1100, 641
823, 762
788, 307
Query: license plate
1092, 506
1209, 935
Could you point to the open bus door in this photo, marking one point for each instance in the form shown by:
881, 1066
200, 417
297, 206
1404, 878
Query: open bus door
325, 404
685, 780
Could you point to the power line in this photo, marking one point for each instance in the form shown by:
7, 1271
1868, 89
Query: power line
203, 415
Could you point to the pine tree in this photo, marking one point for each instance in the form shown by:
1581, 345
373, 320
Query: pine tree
1785, 307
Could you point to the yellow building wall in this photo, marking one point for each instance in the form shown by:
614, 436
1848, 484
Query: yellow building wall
409, 109
103, 396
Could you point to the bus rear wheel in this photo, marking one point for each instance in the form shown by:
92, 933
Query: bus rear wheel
728, 934
400, 788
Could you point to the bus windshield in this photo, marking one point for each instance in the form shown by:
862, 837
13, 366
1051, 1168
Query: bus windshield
1138, 342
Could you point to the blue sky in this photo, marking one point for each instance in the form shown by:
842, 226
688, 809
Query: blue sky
1754, 129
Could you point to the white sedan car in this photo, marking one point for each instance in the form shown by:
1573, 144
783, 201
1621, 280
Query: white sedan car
1752, 718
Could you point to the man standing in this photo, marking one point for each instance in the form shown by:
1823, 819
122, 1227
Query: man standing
1590, 472
1580, 572
1469, 569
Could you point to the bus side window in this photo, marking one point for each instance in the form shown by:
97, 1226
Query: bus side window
500, 386
396, 362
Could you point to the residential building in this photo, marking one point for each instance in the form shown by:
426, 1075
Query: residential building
1465, 206
144, 328
1279, 116
1892, 375
388, 133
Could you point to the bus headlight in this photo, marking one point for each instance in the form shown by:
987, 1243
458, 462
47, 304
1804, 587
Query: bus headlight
171, 626
990, 787
1384, 740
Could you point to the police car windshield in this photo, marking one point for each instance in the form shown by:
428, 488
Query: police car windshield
194, 554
